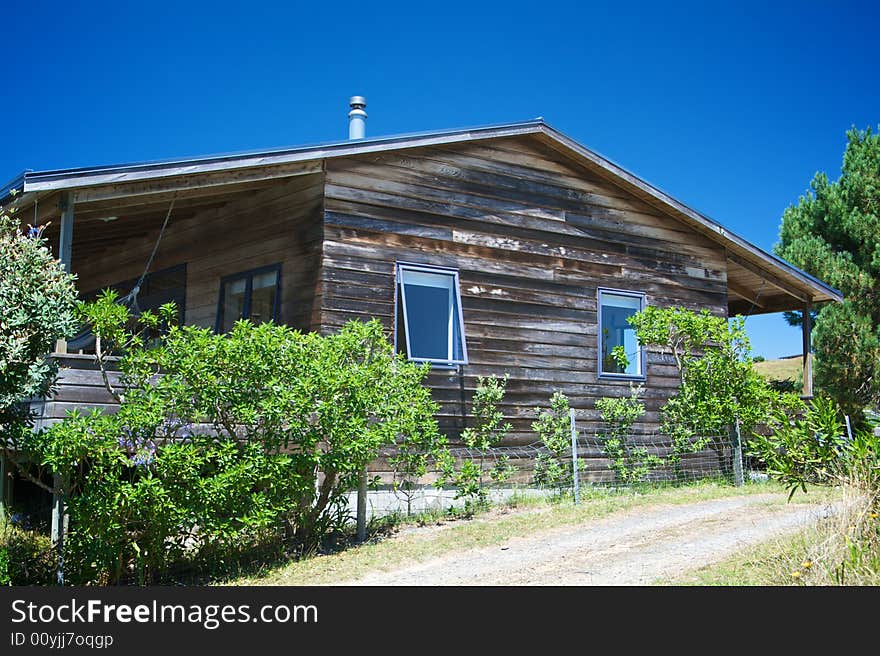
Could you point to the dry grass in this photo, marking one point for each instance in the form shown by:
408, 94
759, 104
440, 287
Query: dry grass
783, 369
841, 549
410, 544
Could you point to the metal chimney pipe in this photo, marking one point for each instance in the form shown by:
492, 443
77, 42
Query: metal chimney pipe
357, 118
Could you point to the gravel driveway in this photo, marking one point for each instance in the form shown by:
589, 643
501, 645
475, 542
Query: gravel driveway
635, 547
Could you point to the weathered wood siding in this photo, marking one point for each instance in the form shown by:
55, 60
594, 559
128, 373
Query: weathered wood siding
533, 235
79, 386
279, 224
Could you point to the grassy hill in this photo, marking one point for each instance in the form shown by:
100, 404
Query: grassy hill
781, 369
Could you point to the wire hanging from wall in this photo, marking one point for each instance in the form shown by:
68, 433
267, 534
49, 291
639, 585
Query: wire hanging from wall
85, 338
131, 299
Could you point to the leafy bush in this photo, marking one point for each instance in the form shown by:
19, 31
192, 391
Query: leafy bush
36, 309
631, 464
814, 449
251, 437
811, 447
409, 462
553, 427
137, 506
29, 557
488, 431
4, 567
719, 387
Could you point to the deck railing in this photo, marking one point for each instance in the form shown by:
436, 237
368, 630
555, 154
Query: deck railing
79, 386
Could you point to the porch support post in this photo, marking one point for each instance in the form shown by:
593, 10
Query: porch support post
807, 329
59, 522
65, 247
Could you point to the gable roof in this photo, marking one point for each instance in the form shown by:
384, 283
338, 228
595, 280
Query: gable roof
742, 253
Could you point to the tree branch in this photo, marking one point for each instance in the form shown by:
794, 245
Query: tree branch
24, 472
100, 359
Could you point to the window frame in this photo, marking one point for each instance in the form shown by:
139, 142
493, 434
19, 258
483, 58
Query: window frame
400, 307
248, 275
643, 365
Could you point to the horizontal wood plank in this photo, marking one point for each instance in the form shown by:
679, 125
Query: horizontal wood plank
532, 238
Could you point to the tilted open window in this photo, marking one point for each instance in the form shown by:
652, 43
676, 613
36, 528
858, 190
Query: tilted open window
430, 327
254, 295
617, 336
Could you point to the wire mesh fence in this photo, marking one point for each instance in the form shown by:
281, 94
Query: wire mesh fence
594, 461
603, 461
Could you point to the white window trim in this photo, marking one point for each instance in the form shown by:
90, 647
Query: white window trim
643, 365
400, 306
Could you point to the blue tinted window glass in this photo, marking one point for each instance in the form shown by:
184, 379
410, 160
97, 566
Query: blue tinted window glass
616, 331
428, 315
430, 307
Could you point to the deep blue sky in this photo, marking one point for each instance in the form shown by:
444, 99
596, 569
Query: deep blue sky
731, 109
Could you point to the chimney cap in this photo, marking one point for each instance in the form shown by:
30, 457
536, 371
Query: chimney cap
357, 102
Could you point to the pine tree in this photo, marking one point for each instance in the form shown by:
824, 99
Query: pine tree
833, 233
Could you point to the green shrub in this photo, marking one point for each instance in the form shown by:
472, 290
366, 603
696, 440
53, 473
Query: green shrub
29, 557
553, 427
488, 431
246, 440
138, 508
409, 462
810, 446
4, 567
631, 464
36, 308
719, 387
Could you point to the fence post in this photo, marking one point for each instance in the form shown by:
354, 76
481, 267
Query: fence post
362, 505
59, 522
574, 456
738, 478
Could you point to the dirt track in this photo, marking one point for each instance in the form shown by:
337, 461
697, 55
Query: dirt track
635, 547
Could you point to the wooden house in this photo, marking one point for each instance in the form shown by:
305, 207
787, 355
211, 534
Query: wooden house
509, 249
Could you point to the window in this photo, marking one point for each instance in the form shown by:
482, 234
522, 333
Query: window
615, 307
253, 295
428, 312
